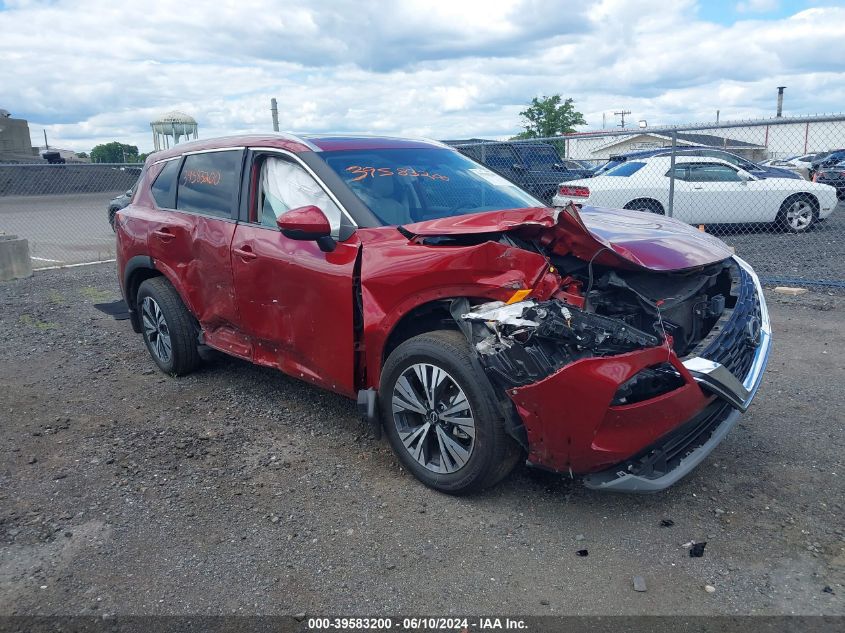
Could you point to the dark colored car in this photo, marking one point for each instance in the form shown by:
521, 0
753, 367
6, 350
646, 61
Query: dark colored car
119, 202
828, 159
760, 171
475, 326
535, 167
833, 176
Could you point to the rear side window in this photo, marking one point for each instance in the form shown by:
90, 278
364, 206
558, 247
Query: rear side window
162, 188
626, 169
208, 183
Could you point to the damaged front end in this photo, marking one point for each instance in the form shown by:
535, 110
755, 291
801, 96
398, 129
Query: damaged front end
633, 351
620, 369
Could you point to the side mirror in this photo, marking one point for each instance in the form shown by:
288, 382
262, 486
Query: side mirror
309, 224
744, 175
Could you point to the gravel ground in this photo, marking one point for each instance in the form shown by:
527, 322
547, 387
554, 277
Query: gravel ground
239, 490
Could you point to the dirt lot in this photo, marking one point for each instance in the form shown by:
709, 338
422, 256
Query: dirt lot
239, 490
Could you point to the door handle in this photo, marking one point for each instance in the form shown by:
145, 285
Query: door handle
164, 234
699, 187
245, 253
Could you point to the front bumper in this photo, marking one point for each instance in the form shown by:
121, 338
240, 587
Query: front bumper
649, 445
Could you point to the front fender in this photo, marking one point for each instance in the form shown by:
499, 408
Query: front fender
399, 275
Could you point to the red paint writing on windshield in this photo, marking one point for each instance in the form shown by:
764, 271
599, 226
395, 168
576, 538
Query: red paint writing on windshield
200, 177
372, 172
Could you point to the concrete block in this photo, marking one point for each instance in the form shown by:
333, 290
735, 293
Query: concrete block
14, 258
788, 290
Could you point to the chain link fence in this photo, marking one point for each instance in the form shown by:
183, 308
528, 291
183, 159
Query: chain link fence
775, 192
772, 191
63, 210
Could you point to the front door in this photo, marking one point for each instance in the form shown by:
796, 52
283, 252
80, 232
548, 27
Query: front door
295, 302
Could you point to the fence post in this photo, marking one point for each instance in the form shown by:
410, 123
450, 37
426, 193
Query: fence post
671, 209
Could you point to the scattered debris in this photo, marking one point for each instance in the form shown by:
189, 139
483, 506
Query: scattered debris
667, 523
709, 588
639, 583
582, 552
697, 550
788, 290
299, 617
544, 602
579, 537
828, 589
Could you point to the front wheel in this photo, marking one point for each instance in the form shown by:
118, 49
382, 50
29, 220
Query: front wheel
798, 213
440, 417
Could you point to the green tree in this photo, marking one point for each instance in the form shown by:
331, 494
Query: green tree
82, 154
114, 152
549, 116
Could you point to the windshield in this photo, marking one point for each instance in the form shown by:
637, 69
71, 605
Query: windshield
401, 186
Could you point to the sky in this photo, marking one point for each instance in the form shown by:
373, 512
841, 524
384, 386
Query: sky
93, 71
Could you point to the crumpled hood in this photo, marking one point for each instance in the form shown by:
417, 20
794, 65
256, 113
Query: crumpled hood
609, 236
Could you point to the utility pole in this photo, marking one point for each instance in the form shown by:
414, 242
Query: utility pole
717, 117
603, 120
46, 147
622, 113
274, 110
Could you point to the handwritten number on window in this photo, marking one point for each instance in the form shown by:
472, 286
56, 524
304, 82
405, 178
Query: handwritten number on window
362, 173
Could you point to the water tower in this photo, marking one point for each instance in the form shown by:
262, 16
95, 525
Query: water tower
175, 125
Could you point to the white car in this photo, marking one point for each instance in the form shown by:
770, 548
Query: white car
706, 191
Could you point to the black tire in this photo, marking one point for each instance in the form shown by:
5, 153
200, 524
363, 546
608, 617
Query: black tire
798, 213
493, 452
646, 204
175, 325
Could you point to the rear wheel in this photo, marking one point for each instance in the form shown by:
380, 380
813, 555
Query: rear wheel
440, 417
170, 331
646, 204
798, 213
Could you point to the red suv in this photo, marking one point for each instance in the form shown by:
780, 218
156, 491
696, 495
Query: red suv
473, 324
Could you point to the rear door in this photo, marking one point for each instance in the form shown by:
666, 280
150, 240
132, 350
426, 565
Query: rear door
192, 237
295, 302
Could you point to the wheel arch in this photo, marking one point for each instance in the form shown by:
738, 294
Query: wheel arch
137, 270
645, 199
425, 317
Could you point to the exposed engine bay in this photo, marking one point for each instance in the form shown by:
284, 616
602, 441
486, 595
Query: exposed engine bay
602, 311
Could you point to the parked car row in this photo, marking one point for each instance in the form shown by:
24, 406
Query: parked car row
705, 191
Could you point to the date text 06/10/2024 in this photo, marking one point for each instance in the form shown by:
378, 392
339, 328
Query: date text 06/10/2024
463, 625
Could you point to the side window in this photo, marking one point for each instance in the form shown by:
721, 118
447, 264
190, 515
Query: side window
681, 172
208, 183
285, 185
712, 173
162, 188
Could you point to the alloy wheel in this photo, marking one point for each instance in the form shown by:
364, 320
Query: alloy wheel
156, 330
799, 215
433, 418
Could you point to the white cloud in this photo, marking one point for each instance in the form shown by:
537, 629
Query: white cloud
96, 71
